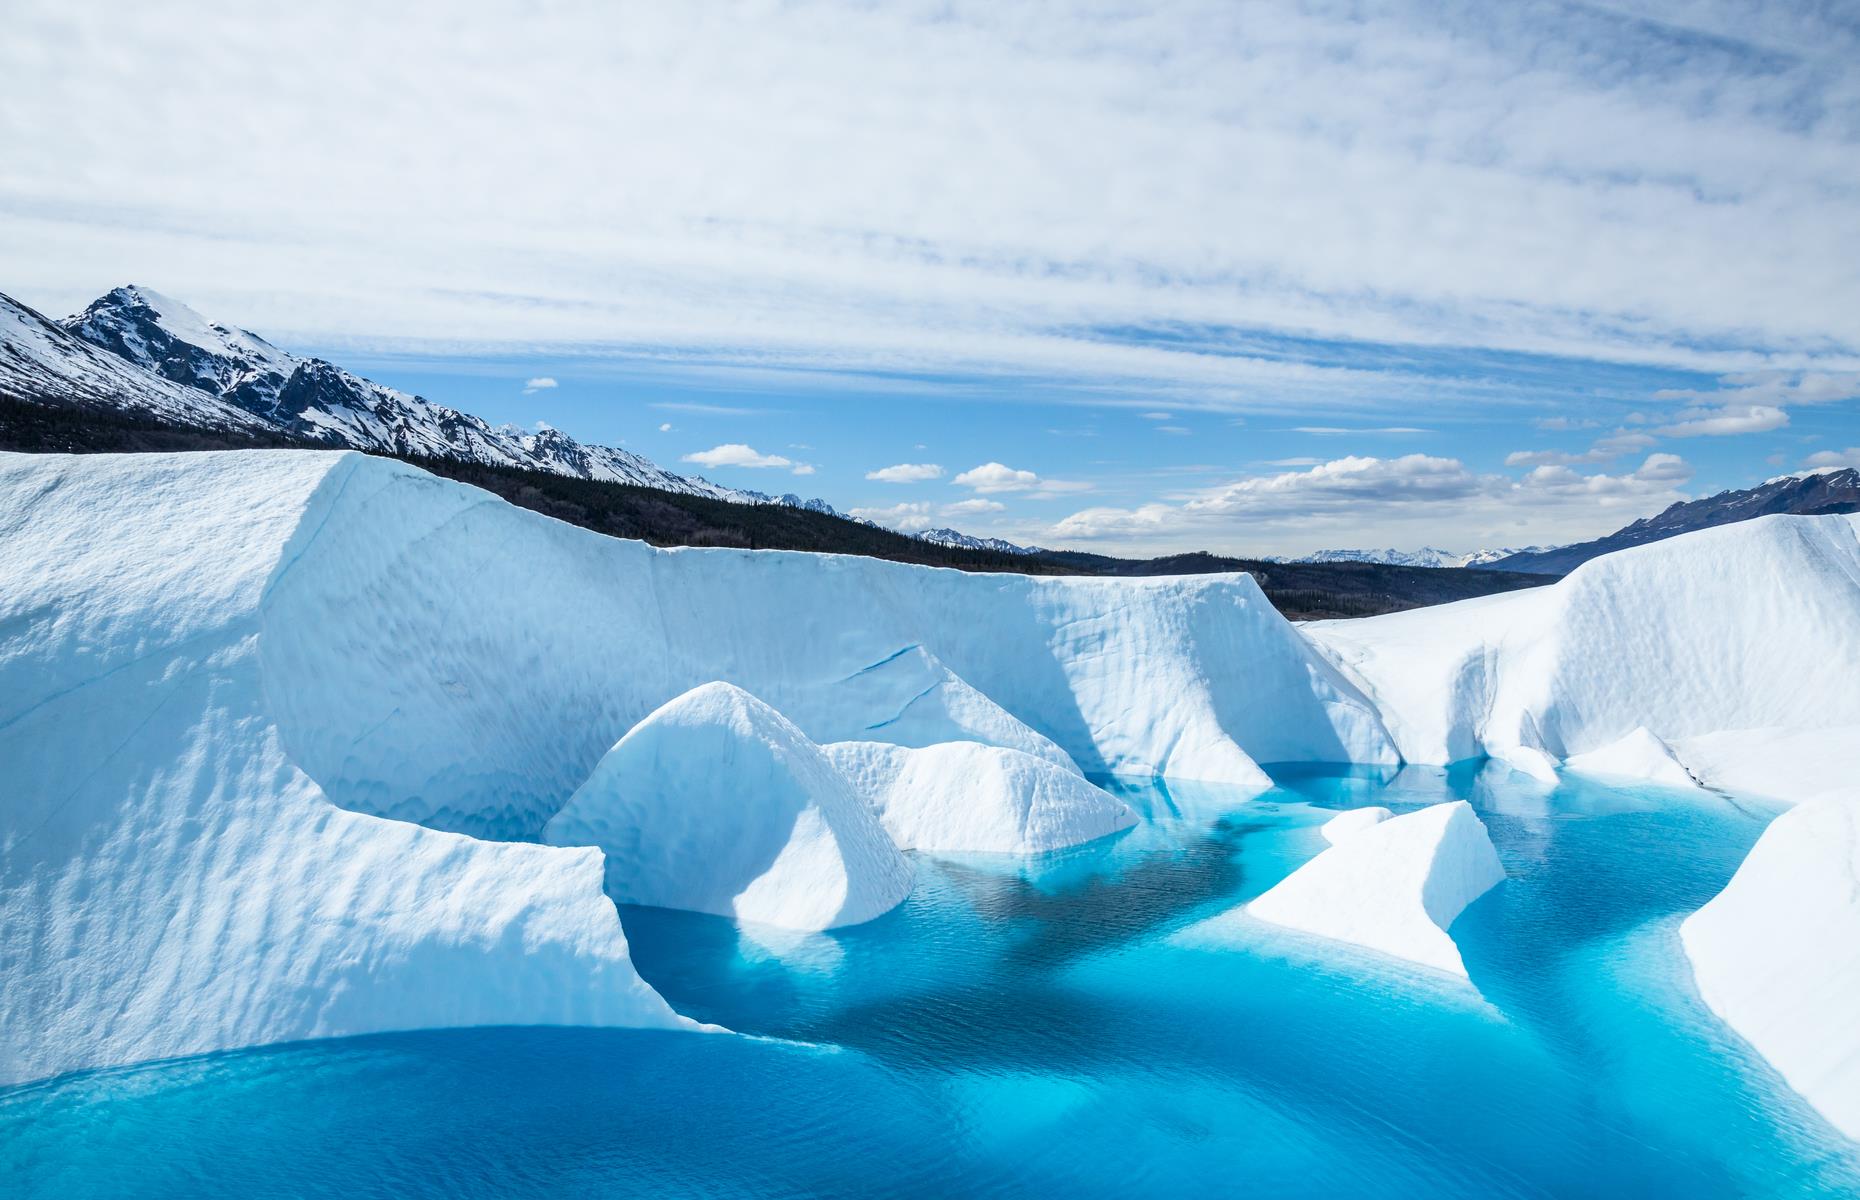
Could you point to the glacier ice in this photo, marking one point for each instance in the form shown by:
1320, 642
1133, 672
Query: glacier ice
280, 731
1346, 825
1395, 886
1777, 953
1638, 755
170, 881
964, 797
717, 803
1746, 627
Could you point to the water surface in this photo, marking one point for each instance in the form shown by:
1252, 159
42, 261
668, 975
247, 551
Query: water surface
1046, 1028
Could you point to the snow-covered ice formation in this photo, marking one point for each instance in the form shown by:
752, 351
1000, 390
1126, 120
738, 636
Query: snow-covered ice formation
170, 881
964, 797
717, 803
1346, 825
1747, 632
277, 727
1638, 755
1394, 886
1777, 953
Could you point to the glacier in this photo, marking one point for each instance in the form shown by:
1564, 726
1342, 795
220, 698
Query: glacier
1777, 953
968, 798
717, 803
283, 731
1394, 886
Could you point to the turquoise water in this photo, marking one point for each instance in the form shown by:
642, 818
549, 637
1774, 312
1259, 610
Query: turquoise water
1040, 1029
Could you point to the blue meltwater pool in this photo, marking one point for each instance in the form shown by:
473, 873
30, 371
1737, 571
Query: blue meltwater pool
1041, 1028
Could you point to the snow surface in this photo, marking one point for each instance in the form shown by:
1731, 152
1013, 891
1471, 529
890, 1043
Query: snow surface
1777, 953
220, 672
1394, 887
1746, 627
1347, 825
717, 803
1640, 755
963, 797
170, 881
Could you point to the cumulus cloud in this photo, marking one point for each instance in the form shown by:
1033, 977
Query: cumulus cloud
1605, 449
539, 383
906, 473
665, 427
1356, 494
1726, 421
993, 478
804, 469
1780, 389
916, 516
736, 454
1833, 459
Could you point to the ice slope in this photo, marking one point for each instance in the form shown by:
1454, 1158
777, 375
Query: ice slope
1638, 755
1395, 887
443, 657
1346, 825
1746, 627
964, 797
1777, 953
717, 803
170, 882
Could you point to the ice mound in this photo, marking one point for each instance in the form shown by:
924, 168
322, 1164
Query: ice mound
1777, 953
170, 882
1639, 755
909, 698
717, 803
961, 797
1746, 627
1394, 887
1347, 825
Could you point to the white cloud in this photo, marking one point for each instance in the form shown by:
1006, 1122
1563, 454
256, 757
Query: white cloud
735, 454
665, 427
1414, 499
1175, 429
1605, 449
1728, 420
906, 473
1822, 459
539, 383
678, 186
1779, 389
992, 478
804, 469
1157, 416
915, 516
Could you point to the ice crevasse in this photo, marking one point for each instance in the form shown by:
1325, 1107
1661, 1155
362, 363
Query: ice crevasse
282, 732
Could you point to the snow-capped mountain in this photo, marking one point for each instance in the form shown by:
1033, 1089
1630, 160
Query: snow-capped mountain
1804, 493
964, 541
1426, 556
139, 350
41, 360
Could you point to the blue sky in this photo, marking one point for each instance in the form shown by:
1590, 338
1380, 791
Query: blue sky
1250, 277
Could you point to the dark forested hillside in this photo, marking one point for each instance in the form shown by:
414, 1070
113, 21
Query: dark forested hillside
1299, 590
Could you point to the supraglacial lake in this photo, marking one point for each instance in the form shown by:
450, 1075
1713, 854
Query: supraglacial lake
1038, 1029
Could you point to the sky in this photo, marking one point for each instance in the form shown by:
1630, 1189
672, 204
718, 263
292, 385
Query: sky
1253, 278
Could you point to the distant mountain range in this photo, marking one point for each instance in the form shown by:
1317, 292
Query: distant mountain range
951, 537
1426, 556
1807, 493
135, 350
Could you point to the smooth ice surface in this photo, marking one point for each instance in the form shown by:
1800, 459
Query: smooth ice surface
1040, 1032
962, 797
1347, 825
1747, 632
1395, 887
1777, 953
1639, 755
717, 803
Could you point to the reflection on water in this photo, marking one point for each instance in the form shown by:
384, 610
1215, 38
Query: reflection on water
1037, 1028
